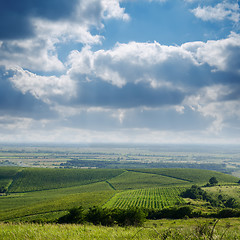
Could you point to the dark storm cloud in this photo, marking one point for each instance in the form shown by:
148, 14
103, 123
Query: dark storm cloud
15, 103
103, 94
15, 15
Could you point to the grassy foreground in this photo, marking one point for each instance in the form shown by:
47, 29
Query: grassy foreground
160, 229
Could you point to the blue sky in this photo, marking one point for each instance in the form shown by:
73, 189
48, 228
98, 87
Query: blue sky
132, 71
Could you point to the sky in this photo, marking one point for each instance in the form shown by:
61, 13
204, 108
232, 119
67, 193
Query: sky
120, 71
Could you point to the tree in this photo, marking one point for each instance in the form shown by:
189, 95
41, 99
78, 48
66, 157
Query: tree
213, 181
194, 192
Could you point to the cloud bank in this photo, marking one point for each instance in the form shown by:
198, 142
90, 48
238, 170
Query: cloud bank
187, 92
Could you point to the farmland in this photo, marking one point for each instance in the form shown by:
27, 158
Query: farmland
45, 194
35, 179
219, 158
146, 198
41, 184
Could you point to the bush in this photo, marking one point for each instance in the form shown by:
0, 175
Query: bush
131, 216
122, 217
105, 217
194, 192
75, 215
99, 216
228, 213
171, 213
231, 203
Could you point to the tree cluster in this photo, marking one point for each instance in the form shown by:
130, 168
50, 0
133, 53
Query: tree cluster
196, 192
105, 217
212, 182
171, 213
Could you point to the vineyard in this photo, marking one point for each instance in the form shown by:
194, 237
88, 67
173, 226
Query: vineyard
35, 179
135, 180
146, 198
189, 175
44, 194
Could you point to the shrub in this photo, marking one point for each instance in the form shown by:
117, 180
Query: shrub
99, 216
194, 192
228, 213
131, 216
172, 213
105, 217
75, 215
231, 203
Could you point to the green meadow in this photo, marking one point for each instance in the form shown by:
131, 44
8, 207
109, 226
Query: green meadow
192, 229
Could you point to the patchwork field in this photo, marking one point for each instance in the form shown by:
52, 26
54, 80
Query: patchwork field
43, 194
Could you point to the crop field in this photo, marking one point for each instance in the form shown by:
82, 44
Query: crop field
136, 180
146, 198
6, 175
35, 179
40, 184
218, 158
57, 204
24, 205
36, 194
190, 175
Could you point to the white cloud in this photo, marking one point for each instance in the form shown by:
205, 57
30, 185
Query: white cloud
219, 12
112, 9
222, 54
39, 53
208, 102
132, 62
63, 31
43, 87
36, 54
155, 64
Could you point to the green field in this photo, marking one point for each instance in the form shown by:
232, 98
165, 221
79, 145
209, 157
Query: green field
197, 176
35, 179
137, 180
230, 191
17, 206
45, 194
227, 229
147, 198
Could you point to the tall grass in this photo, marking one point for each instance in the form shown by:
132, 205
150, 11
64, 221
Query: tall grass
162, 229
